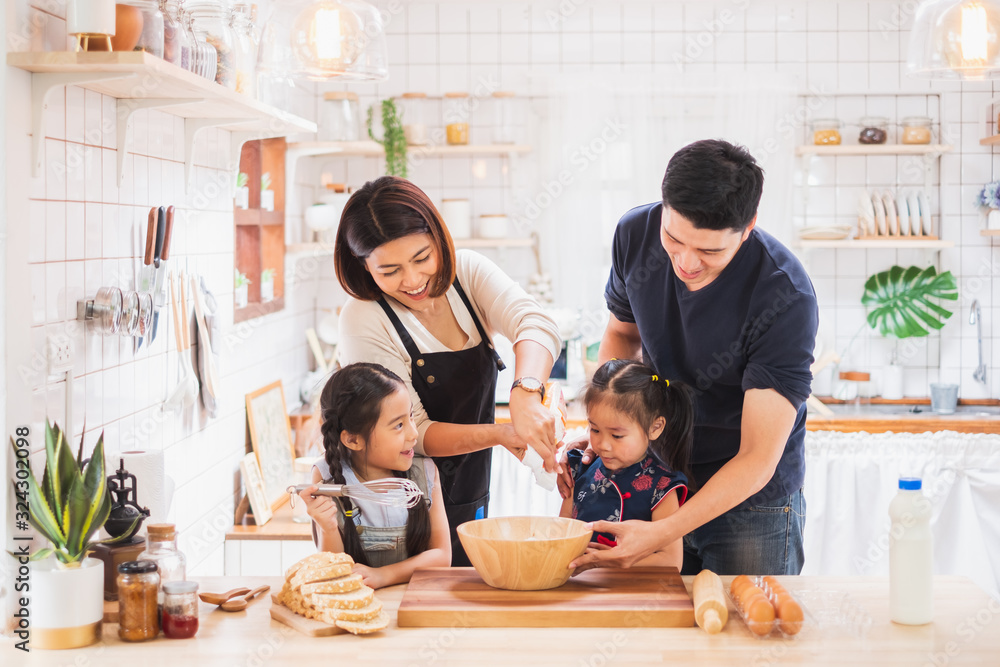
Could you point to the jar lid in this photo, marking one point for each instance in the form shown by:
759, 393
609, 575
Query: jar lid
874, 120
916, 120
414, 96
336, 187
456, 95
826, 121
162, 530
340, 95
137, 567
493, 215
504, 93
176, 587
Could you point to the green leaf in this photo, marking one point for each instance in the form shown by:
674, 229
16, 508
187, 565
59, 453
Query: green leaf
41, 553
42, 515
903, 302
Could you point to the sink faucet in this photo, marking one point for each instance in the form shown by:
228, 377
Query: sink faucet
976, 317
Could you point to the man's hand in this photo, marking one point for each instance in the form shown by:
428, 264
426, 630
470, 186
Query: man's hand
636, 540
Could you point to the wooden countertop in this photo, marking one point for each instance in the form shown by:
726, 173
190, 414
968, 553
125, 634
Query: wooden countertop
280, 527
965, 632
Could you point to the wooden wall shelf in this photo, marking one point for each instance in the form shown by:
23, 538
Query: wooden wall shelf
874, 149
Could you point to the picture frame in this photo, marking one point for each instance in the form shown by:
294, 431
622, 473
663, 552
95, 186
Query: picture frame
254, 484
271, 439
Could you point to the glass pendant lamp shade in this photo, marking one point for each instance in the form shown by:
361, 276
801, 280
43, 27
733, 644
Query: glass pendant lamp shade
955, 39
324, 40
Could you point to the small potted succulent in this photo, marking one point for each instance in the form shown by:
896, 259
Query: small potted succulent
266, 193
242, 197
241, 288
266, 285
68, 507
989, 203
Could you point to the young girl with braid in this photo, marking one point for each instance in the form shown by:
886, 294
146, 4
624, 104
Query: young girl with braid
368, 434
641, 429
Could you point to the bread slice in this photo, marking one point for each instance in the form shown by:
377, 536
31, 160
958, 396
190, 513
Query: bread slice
313, 574
380, 622
365, 613
316, 560
346, 584
355, 599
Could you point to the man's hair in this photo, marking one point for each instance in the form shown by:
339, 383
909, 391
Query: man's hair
714, 184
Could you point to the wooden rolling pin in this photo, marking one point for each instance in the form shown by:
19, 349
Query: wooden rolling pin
710, 610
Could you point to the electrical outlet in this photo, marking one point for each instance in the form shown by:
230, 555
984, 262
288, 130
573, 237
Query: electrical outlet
59, 353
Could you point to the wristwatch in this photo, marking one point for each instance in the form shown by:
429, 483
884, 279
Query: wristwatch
530, 384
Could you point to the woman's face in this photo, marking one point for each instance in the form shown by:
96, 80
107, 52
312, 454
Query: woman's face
405, 269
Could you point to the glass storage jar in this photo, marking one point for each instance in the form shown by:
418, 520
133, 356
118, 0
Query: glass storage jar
874, 130
414, 118
151, 37
505, 117
180, 609
456, 118
916, 130
245, 50
138, 619
826, 131
340, 117
177, 38
161, 549
210, 19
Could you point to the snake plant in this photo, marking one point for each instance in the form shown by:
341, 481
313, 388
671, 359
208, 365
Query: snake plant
904, 302
71, 503
393, 138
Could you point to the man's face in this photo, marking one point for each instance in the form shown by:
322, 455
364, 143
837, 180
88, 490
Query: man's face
698, 255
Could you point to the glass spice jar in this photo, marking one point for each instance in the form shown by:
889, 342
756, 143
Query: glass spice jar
504, 121
180, 609
138, 582
826, 131
210, 19
161, 549
874, 130
151, 37
456, 118
340, 117
916, 130
177, 39
414, 121
246, 50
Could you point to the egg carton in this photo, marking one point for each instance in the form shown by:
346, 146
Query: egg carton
774, 629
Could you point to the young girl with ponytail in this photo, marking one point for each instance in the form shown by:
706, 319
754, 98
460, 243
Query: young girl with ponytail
641, 429
369, 434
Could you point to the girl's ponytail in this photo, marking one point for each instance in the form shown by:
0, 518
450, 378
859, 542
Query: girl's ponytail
675, 444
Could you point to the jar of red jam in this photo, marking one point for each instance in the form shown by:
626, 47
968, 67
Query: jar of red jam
180, 609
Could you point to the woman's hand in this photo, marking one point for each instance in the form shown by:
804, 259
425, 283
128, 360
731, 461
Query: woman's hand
565, 479
370, 576
512, 443
636, 540
321, 509
534, 425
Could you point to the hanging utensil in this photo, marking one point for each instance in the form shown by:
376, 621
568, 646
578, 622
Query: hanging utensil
206, 364
392, 491
147, 273
166, 217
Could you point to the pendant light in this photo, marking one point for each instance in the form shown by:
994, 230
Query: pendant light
341, 40
955, 39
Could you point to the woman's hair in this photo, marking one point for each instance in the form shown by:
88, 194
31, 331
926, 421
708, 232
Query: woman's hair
634, 390
352, 402
384, 210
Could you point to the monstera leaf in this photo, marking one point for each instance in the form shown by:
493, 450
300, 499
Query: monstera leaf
903, 302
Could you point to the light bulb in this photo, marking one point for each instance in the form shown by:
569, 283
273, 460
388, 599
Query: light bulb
974, 34
325, 37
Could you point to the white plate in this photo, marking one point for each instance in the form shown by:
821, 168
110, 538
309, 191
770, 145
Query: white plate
890, 213
913, 204
825, 232
879, 215
926, 222
866, 213
903, 214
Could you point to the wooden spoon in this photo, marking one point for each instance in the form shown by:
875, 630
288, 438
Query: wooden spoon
219, 598
241, 604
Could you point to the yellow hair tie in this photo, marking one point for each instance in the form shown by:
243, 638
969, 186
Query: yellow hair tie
668, 382
655, 378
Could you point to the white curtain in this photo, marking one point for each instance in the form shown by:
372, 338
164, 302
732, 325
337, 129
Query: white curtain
852, 477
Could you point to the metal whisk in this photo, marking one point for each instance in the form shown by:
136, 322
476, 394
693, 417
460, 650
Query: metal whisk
392, 491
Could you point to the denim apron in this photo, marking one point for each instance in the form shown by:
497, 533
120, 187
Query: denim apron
457, 388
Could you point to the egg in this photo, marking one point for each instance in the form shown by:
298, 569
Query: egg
739, 583
759, 615
790, 616
128, 28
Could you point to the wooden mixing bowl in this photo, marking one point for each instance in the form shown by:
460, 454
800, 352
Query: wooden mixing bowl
524, 553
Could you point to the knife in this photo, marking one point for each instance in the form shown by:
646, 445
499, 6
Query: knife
146, 273
161, 232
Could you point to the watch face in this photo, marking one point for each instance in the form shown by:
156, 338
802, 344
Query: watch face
531, 384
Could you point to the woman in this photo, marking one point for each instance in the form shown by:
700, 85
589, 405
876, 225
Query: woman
428, 314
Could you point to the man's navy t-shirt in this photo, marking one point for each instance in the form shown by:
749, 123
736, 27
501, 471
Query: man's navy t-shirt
753, 327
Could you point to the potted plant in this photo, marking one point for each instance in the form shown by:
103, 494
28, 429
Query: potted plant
905, 303
242, 197
266, 285
240, 289
393, 138
67, 508
266, 193
989, 203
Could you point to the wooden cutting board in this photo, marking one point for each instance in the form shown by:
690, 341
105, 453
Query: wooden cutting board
307, 626
638, 597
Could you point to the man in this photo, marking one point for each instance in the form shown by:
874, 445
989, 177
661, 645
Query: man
708, 299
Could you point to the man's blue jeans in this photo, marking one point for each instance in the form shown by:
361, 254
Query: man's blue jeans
750, 539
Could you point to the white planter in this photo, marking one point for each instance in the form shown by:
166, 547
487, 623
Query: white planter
892, 382
267, 200
242, 198
993, 219
240, 295
267, 291
95, 17
67, 606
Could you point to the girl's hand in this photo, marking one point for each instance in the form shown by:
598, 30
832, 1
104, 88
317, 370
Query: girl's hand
565, 479
370, 576
321, 509
534, 425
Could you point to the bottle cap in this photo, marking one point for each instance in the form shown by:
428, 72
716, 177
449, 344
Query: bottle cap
137, 567
177, 587
909, 483
161, 531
